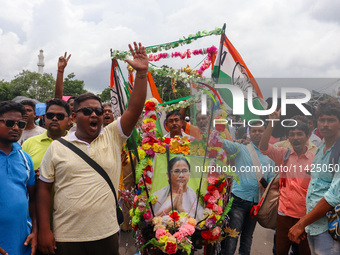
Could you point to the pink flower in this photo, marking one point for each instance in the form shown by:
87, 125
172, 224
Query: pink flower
212, 200
150, 152
216, 194
187, 229
217, 209
146, 139
160, 233
147, 215
179, 236
216, 231
212, 180
210, 222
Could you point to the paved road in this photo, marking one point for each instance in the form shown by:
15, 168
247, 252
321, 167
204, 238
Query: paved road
262, 242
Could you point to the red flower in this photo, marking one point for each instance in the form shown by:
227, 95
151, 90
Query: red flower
211, 188
210, 206
207, 196
167, 140
148, 179
212, 153
220, 127
150, 106
170, 247
206, 234
153, 117
219, 144
174, 216
220, 188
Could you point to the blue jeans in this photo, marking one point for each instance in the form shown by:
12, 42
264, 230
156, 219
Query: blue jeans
240, 219
323, 244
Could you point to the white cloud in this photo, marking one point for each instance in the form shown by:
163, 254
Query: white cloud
275, 38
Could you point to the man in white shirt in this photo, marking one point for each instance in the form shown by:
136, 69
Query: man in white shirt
31, 129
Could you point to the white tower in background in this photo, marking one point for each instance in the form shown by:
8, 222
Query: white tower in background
41, 63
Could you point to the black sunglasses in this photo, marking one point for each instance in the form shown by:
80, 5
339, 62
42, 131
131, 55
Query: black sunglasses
50, 115
11, 123
87, 111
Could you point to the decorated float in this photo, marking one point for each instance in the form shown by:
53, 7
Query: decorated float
182, 184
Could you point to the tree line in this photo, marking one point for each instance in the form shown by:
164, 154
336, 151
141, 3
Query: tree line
41, 87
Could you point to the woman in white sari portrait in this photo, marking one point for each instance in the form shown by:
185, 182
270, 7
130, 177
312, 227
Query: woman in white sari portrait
184, 198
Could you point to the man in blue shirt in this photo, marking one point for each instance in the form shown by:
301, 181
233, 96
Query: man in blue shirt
324, 188
246, 194
17, 191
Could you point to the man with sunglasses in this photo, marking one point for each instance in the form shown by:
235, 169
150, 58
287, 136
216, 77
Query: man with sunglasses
56, 123
17, 190
84, 216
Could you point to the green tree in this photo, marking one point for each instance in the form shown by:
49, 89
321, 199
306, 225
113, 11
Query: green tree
105, 96
33, 85
5, 91
165, 91
73, 87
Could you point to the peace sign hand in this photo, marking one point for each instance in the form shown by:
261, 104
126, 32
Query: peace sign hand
62, 62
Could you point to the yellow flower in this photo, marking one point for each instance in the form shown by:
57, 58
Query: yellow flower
163, 239
162, 149
150, 163
218, 217
154, 199
220, 202
201, 152
156, 147
148, 120
141, 154
131, 212
146, 146
202, 224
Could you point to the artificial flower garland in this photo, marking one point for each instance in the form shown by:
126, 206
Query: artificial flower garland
122, 55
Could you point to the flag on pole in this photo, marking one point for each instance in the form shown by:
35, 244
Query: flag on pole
229, 68
118, 91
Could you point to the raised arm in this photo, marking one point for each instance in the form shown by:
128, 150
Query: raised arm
269, 130
137, 99
62, 63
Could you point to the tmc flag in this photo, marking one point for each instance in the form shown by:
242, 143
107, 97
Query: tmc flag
230, 69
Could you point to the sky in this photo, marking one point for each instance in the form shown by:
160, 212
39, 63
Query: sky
276, 39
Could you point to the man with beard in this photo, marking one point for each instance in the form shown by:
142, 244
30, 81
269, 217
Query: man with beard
17, 191
293, 184
31, 129
108, 114
84, 215
246, 194
174, 122
56, 122
324, 188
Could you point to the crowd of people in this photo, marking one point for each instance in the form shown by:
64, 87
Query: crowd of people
53, 202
